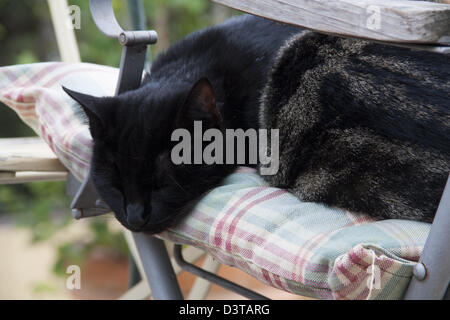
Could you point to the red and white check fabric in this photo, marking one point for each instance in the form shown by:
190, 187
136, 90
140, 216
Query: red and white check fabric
303, 248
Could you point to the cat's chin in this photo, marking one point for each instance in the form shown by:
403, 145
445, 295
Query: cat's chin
166, 221
148, 228
153, 225
153, 228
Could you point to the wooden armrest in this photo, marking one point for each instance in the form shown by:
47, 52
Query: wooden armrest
401, 21
28, 159
28, 154
32, 176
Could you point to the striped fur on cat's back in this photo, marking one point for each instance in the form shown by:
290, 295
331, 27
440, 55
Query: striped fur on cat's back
363, 126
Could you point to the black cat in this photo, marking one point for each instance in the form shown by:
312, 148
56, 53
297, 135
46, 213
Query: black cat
215, 76
363, 126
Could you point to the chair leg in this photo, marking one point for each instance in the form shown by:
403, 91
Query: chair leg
431, 274
212, 277
157, 267
134, 276
141, 290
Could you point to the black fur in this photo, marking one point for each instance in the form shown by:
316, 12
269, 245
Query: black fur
131, 163
363, 126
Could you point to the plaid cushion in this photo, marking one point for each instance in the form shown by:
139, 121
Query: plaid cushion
303, 248
34, 92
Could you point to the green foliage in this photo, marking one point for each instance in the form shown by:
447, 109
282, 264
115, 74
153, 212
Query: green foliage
42, 287
185, 16
40, 206
43, 208
103, 238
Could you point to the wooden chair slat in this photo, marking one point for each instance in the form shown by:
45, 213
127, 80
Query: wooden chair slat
402, 21
32, 176
27, 154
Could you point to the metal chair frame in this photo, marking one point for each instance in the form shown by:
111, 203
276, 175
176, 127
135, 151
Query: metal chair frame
431, 273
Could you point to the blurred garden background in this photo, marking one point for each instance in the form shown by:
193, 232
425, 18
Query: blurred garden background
38, 237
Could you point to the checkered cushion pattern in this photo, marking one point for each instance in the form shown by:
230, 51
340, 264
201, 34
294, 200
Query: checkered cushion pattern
303, 248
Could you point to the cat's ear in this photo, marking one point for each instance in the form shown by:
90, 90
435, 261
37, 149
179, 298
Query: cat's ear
200, 105
91, 107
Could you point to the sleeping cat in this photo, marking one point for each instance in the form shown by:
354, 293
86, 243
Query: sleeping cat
366, 122
362, 126
215, 76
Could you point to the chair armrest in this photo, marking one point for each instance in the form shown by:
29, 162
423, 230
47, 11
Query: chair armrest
27, 160
417, 24
86, 200
27, 154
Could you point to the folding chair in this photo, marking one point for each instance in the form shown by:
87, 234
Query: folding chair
431, 273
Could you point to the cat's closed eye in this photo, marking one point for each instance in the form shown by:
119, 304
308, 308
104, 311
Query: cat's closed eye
160, 171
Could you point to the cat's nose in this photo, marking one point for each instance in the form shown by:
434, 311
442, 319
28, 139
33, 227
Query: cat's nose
135, 215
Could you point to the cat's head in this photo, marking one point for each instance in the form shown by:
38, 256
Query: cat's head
132, 167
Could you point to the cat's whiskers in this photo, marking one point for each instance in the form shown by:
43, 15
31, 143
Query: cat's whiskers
179, 185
